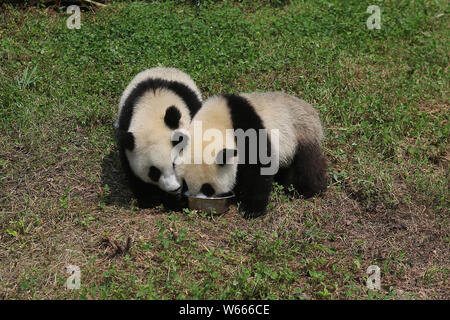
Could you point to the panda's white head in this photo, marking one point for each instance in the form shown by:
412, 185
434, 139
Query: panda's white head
207, 178
206, 160
148, 141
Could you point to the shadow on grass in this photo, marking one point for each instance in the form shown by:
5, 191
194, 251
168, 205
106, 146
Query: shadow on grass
120, 194
113, 176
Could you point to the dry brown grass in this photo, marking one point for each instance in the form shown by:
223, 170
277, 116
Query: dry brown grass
406, 239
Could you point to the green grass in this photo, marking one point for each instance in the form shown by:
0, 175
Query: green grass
382, 96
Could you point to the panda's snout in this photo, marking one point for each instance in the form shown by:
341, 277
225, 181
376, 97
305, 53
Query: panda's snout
170, 183
175, 191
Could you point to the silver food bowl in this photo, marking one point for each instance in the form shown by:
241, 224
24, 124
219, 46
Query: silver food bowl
213, 205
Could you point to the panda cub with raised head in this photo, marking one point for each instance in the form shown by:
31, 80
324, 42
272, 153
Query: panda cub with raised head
156, 102
286, 148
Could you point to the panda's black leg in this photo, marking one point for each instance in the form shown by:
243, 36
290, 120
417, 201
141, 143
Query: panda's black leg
286, 177
254, 196
310, 167
175, 202
254, 207
147, 195
146, 203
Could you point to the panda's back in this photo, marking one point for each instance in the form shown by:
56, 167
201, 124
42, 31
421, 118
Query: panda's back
287, 113
296, 120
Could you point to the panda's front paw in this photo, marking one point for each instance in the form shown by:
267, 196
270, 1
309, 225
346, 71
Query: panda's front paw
253, 214
253, 207
147, 204
175, 202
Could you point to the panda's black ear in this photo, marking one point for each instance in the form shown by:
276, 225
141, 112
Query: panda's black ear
224, 156
126, 139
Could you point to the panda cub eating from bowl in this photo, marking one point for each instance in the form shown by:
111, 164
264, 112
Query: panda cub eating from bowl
292, 140
156, 102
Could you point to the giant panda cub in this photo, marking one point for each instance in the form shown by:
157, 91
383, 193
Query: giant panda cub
293, 150
156, 102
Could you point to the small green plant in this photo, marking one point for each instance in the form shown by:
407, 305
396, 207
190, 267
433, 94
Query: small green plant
64, 201
27, 78
324, 293
18, 227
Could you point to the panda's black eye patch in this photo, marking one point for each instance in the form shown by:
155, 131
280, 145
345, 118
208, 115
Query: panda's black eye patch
207, 190
154, 173
172, 117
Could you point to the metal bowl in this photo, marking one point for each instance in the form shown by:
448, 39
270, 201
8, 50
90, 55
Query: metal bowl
213, 205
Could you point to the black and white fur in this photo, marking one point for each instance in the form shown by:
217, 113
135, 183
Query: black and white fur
301, 161
156, 102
